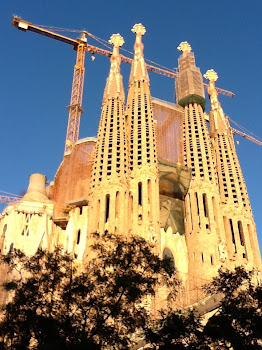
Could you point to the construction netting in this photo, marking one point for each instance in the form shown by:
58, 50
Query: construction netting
72, 180
169, 130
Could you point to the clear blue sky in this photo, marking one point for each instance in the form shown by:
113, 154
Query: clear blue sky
36, 73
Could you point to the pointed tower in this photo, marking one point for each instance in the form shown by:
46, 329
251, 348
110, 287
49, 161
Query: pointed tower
203, 220
142, 153
238, 220
109, 196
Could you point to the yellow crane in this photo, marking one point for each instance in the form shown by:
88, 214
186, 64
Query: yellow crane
75, 108
81, 46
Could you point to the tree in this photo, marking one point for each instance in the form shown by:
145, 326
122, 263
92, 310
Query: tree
237, 324
176, 329
57, 305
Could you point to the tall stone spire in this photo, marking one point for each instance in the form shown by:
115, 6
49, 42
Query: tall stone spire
203, 225
109, 198
238, 220
142, 152
223, 143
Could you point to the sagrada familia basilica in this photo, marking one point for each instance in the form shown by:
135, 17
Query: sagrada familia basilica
167, 172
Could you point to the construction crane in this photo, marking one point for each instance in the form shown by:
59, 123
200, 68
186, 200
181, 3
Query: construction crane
245, 133
9, 198
246, 136
81, 46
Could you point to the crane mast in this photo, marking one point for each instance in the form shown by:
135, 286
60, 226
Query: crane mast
75, 107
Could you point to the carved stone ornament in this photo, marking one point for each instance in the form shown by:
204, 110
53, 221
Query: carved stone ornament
116, 40
211, 75
139, 29
184, 47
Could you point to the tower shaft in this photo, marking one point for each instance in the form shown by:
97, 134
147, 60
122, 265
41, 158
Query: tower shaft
203, 227
142, 152
109, 190
238, 220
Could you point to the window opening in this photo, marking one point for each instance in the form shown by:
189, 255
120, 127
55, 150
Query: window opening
117, 204
107, 207
140, 193
78, 236
241, 233
169, 261
232, 234
205, 205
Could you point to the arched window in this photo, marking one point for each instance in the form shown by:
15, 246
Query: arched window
168, 261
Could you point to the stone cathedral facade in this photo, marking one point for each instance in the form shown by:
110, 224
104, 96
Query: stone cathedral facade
167, 172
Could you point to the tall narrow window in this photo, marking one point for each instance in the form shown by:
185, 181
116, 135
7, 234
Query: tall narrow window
117, 204
197, 203
211, 260
242, 237
198, 211
107, 207
205, 205
140, 193
241, 233
78, 236
232, 233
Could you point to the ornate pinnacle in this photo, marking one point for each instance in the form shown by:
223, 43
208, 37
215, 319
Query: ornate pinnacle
114, 85
184, 47
211, 75
138, 29
116, 40
218, 120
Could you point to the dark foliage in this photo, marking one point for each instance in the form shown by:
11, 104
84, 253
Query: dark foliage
57, 306
238, 322
176, 330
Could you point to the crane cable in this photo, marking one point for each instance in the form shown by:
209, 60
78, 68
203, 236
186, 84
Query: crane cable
11, 194
103, 42
245, 131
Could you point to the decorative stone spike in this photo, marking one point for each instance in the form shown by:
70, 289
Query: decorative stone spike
114, 85
138, 70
